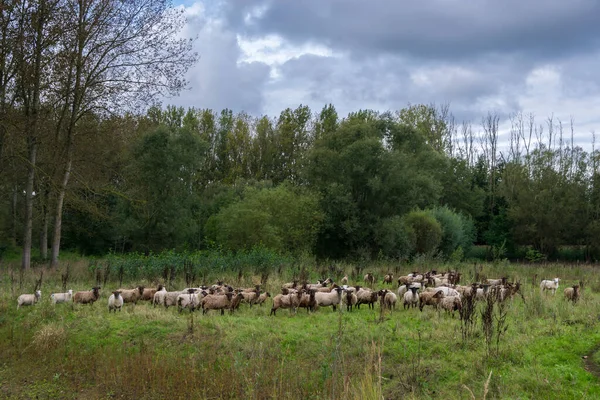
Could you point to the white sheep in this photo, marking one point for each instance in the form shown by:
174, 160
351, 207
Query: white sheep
551, 285
61, 297
115, 301
29, 299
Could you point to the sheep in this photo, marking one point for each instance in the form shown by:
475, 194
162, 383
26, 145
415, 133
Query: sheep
447, 291
369, 278
29, 299
87, 297
132, 295
61, 297
451, 304
216, 302
497, 282
307, 300
572, 293
411, 298
290, 285
365, 296
350, 299
334, 298
286, 300
345, 280
388, 278
262, 298
115, 301
388, 299
148, 293
250, 297
170, 298
549, 285
482, 292
190, 300
429, 299
159, 296
236, 300
402, 289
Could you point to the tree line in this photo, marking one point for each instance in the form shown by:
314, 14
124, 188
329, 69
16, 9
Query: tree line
87, 165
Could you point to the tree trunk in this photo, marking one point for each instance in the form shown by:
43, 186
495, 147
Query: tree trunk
44, 230
59, 206
14, 214
26, 259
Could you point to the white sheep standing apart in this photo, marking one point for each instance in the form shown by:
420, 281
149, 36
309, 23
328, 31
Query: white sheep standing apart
115, 301
61, 297
29, 299
551, 285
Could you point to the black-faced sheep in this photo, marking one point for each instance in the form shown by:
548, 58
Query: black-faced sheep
369, 278
411, 298
115, 302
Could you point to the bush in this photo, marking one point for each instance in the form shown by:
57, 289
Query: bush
395, 238
428, 231
457, 230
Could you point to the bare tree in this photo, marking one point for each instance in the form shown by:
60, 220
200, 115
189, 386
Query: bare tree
116, 54
34, 42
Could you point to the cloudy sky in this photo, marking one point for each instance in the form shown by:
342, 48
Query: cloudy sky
480, 56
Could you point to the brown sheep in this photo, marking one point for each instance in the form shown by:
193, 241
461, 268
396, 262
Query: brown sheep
388, 278
365, 296
262, 298
308, 300
369, 278
235, 302
429, 299
572, 293
87, 297
216, 302
148, 293
286, 300
132, 295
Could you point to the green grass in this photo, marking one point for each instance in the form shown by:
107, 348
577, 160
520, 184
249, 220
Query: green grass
153, 353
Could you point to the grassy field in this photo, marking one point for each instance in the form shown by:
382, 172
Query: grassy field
83, 352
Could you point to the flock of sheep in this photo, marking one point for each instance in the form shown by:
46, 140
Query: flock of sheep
442, 291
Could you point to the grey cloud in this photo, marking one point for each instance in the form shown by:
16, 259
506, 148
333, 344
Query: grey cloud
446, 29
218, 81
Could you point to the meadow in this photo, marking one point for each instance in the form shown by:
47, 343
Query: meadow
540, 345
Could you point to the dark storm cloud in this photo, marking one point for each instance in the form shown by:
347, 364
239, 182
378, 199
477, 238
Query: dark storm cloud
436, 29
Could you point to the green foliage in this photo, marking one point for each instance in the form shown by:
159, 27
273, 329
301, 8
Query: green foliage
282, 219
533, 255
457, 230
428, 231
395, 238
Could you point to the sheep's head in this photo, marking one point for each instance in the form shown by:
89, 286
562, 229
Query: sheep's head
70, 291
159, 288
438, 295
229, 295
413, 289
140, 289
117, 293
38, 294
267, 294
556, 280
